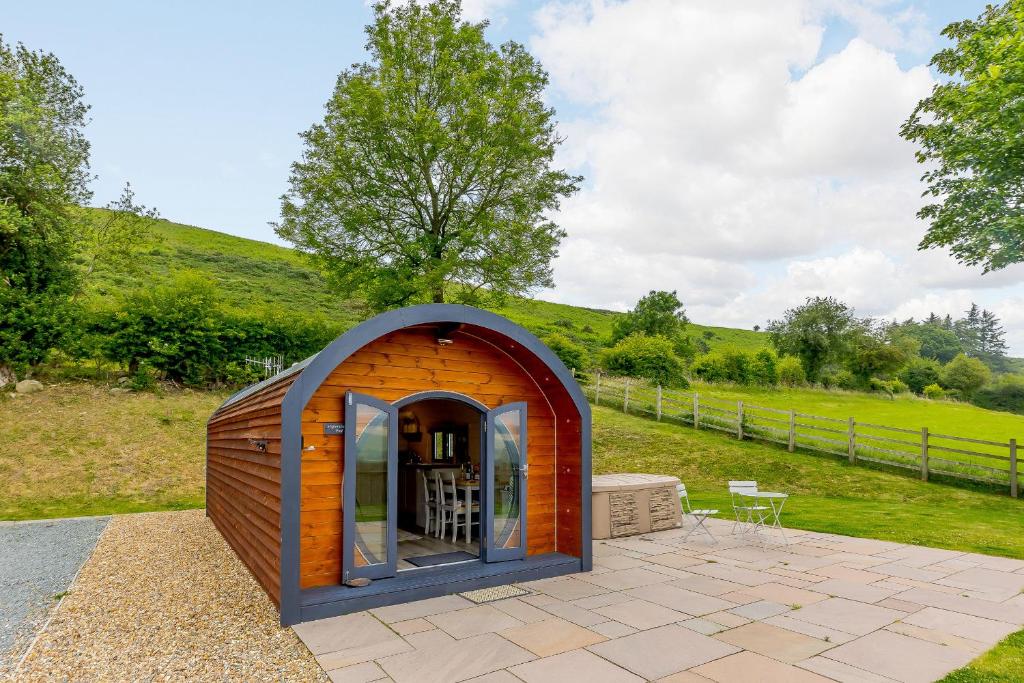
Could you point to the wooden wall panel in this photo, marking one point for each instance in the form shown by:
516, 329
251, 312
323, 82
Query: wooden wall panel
243, 483
409, 361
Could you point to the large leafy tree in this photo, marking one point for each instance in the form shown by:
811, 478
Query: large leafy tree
820, 332
659, 313
970, 133
44, 169
431, 178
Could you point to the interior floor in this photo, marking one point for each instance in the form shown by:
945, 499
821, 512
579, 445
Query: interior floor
416, 544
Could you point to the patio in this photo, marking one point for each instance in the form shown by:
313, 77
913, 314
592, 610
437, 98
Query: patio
823, 608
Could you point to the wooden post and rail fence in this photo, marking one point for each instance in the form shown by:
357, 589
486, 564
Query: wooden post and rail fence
919, 450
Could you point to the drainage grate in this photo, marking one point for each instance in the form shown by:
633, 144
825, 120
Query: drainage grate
497, 593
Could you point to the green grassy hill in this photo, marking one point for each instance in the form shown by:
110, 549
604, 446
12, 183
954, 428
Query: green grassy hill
255, 274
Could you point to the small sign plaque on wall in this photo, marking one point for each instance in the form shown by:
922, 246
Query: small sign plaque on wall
334, 428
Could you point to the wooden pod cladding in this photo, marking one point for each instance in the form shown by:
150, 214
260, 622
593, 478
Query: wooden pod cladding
275, 450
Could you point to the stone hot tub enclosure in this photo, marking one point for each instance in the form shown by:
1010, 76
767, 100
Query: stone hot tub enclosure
306, 483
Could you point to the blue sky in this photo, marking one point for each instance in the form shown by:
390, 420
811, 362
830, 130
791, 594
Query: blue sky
199, 105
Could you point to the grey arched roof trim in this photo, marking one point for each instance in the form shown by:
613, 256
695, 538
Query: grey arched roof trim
441, 395
314, 370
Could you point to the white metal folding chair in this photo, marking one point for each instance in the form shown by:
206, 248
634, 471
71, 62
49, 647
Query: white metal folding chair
699, 516
745, 506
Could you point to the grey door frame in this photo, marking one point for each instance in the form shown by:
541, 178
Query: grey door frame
384, 569
492, 553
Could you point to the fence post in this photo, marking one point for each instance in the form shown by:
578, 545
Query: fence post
792, 430
696, 411
625, 398
739, 420
597, 390
1013, 467
924, 454
851, 439
659, 402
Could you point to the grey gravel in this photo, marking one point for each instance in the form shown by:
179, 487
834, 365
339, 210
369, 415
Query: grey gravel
38, 561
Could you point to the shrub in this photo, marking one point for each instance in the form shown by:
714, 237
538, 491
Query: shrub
791, 371
898, 386
569, 352
966, 375
839, 379
919, 373
711, 367
764, 368
647, 357
144, 378
934, 392
1006, 393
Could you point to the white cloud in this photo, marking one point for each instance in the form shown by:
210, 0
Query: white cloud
725, 157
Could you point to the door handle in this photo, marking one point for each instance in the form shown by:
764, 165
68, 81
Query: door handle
525, 469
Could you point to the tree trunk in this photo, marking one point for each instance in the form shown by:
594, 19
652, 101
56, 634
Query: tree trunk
438, 295
6, 375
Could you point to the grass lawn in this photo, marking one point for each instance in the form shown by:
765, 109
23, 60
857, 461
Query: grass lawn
827, 493
77, 450
904, 410
1002, 664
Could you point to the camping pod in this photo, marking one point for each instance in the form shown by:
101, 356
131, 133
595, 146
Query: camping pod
430, 450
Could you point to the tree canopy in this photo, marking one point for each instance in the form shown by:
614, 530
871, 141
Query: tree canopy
818, 333
970, 133
659, 313
431, 178
44, 169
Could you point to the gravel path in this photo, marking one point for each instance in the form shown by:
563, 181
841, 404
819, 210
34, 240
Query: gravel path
38, 562
163, 598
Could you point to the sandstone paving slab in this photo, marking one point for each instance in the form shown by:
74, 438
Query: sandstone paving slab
552, 637
740, 597
538, 599
852, 617
404, 628
727, 619
367, 672
684, 677
963, 625
662, 651
986, 583
674, 596
349, 639
906, 572
468, 622
602, 600
839, 571
458, 660
844, 673
705, 626
772, 641
420, 608
900, 657
707, 585
496, 677
901, 605
676, 560
760, 610
1007, 612
425, 640
855, 590
641, 614
602, 549
620, 562
576, 665
626, 578
567, 588
612, 629
975, 647
577, 615
750, 666
1003, 564
787, 595
726, 572
522, 611
823, 633
640, 545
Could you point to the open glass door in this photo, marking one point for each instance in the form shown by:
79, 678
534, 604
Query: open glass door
370, 488
505, 473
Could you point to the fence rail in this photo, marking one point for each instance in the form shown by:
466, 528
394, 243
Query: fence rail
911, 449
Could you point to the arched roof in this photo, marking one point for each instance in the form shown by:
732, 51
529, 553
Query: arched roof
315, 369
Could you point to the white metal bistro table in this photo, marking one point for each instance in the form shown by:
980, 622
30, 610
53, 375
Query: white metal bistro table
775, 502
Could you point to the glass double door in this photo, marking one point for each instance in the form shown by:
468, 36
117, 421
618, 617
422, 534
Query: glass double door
370, 486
